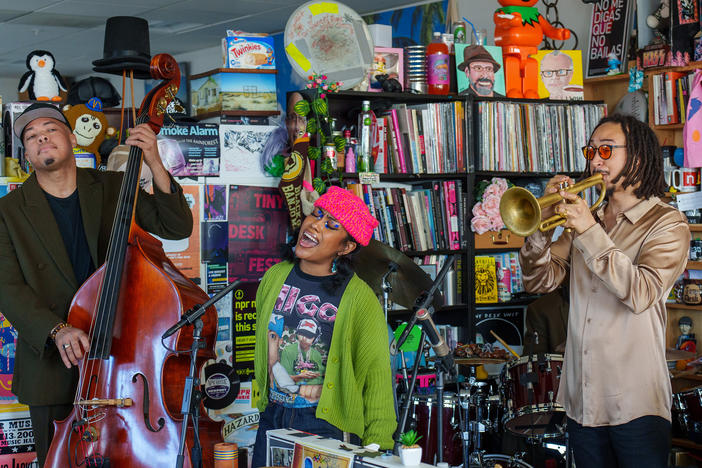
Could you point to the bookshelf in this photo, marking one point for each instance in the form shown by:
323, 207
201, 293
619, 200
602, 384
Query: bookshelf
610, 89
576, 120
419, 202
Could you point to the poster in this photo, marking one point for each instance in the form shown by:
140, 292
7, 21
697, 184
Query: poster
560, 74
242, 155
258, 226
215, 203
485, 280
215, 246
609, 34
244, 336
185, 253
16, 437
190, 149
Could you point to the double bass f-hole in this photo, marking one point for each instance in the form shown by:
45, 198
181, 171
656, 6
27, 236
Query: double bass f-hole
145, 405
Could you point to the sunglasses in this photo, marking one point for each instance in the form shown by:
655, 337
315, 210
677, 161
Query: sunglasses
605, 151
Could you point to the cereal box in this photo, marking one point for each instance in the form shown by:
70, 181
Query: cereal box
248, 52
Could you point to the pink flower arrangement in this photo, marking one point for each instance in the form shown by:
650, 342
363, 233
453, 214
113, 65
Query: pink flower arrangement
486, 212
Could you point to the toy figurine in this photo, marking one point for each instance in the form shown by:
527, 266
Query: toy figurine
613, 63
686, 340
519, 29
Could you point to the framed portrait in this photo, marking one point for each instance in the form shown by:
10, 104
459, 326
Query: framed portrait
560, 74
479, 70
386, 61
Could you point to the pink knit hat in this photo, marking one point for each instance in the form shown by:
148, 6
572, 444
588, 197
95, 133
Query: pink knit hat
350, 211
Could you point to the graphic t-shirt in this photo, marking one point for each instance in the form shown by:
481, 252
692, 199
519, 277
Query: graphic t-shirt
299, 336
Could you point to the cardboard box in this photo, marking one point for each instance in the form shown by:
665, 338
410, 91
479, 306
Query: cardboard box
226, 89
248, 52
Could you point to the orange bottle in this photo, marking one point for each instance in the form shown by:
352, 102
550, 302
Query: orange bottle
438, 66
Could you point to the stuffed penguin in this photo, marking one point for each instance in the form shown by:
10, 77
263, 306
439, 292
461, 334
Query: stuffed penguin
42, 82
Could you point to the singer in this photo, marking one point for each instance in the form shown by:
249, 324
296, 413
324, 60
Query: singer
322, 354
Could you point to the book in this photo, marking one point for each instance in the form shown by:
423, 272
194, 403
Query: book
485, 280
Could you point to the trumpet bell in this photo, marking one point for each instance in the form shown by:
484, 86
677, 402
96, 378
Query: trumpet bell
520, 211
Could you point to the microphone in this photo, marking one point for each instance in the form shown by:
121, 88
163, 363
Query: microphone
189, 317
443, 353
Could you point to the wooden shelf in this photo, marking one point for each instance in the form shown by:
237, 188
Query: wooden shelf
695, 227
237, 113
677, 126
675, 305
694, 265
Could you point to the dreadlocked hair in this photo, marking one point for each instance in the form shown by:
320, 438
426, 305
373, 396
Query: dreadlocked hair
344, 263
644, 161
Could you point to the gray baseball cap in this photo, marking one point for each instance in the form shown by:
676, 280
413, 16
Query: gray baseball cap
36, 111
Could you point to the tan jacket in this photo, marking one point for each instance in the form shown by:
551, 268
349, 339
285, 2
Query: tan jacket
614, 365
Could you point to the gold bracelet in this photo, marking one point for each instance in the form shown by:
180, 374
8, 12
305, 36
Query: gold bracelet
55, 330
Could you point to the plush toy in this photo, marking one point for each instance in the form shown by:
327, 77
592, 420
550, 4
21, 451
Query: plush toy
42, 82
519, 29
89, 125
659, 20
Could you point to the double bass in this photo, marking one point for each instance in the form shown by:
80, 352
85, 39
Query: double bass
127, 407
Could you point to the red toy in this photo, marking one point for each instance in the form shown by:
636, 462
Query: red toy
519, 29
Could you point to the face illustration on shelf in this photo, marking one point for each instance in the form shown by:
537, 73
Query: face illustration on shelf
556, 73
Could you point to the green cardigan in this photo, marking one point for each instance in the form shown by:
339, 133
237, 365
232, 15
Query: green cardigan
357, 392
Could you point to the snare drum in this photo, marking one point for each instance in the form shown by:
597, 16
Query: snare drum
530, 385
424, 412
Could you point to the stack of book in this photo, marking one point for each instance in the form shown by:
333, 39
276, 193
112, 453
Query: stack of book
671, 91
422, 217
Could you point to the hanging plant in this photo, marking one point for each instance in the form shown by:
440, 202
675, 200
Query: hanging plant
317, 115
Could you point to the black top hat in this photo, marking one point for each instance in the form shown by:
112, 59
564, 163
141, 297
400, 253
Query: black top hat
126, 47
477, 53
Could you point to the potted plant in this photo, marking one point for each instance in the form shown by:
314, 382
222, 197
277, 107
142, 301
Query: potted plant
410, 452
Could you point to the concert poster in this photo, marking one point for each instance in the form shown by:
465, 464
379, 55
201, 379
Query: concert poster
215, 203
214, 242
258, 226
16, 437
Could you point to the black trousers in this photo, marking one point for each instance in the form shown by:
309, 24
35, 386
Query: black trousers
641, 443
43, 418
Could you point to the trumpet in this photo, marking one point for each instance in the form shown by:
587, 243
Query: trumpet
521, 211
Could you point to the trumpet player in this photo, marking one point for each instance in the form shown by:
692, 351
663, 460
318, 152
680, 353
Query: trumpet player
622, 261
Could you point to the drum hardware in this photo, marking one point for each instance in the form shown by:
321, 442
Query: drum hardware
421, 315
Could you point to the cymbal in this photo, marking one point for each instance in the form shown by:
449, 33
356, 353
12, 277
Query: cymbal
407, 283
678, 354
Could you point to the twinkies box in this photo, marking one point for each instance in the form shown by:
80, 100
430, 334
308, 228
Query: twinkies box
248, 52
228, 89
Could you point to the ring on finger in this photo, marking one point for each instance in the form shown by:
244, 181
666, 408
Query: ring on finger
67, 345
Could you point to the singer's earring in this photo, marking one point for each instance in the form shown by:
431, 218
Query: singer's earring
334, 266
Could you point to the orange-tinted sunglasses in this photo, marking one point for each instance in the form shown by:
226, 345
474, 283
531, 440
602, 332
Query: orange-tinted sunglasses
605, 151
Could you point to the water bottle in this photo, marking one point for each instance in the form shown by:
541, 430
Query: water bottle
366, 120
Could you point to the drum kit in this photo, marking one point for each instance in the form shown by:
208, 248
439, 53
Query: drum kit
521, 400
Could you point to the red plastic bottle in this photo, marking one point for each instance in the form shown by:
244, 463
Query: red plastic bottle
438, 66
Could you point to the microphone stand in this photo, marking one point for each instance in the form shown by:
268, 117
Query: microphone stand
421, 309
191, 393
